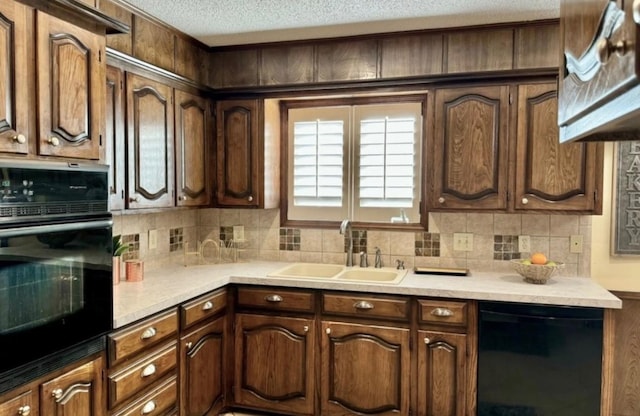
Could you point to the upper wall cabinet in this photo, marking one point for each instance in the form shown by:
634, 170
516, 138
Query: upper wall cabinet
468, 159
248, 154
70, 74
600, 76
193, 139
16, 86
150, 180
550, 175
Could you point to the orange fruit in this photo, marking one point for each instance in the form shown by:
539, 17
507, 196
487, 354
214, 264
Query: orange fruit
538, 258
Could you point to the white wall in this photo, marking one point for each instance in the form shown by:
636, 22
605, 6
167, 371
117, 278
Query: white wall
613, 272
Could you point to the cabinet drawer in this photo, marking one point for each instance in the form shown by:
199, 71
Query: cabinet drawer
203, 307
20, 405
125, 382
365, 306
442, 312
129, 341
276, 299
157, 402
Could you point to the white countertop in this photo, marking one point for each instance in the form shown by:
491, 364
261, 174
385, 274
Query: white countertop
167, 287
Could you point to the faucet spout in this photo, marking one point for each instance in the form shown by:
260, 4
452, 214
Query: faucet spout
345, 229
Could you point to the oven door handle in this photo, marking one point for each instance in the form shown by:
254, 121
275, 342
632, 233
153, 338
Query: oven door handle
54, 228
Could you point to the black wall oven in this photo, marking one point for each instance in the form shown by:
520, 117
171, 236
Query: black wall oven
55, 266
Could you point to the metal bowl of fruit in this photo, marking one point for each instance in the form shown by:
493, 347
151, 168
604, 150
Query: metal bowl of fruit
536, 269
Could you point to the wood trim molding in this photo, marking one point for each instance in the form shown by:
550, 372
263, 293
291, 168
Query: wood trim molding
80, 13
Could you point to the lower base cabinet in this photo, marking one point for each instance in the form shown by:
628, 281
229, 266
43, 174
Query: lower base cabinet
365, 370
76, 391
201, 369
274, 363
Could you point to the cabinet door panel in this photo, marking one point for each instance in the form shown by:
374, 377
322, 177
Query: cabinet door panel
203, 368
150, 151
550, 175
77, 392
239, 153
469, 158
70, 89
365, 370
115, 136
15, 91
192, 143
442, 374
274, 363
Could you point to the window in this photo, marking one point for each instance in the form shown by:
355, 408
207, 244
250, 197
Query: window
354, 160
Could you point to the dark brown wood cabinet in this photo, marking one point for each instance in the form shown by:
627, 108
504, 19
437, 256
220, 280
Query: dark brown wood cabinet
626, 356
204, 349
274, 363
365, 369
550, 175
600, 77
495, 152
76, 392
469, 149
115, 136
70, 79
16, 79
23, 403
245, 161
150, 128
192, 143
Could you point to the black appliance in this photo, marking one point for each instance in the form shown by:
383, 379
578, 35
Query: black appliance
56, 293
536, 360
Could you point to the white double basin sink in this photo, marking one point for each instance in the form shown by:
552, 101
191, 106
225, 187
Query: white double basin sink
338, 272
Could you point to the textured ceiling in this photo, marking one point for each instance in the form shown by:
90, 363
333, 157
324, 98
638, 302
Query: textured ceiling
235, 22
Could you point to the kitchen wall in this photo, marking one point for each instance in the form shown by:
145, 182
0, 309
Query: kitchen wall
494, 239
613, 272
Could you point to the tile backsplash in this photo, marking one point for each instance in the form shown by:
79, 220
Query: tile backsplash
495, 239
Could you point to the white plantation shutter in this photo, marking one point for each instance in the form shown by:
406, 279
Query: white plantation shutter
360, 162
387, 168
318, 162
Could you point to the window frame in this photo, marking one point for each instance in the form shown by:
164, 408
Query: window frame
287, 104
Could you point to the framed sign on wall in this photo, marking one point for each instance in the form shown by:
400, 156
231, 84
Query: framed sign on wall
626, 200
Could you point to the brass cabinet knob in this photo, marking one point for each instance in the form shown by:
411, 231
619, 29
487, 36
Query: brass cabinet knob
426, 340
21, 139
606, 48
328, 331
525, 201
54, 141
442, 312
363, 305
250, 199
189, 345
57, 394
182, 198
24, 410
133, 199
441, 200
207, 306
305, 328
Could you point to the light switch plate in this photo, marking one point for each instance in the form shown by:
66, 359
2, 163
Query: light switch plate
463, 241
153, 239
575, 243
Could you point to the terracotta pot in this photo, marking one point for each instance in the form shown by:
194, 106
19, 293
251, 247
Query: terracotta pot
116, 269
135, 270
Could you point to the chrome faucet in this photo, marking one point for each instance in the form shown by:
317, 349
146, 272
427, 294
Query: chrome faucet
378, 261
345, 228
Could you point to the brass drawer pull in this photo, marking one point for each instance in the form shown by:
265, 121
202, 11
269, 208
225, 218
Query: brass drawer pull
442, 312
207, 306
24, 410
274, 298
363, 305
149, 407
149, 333
21, 139
148, 371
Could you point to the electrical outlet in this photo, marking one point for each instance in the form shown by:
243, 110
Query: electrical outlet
462, 241
524, 244
575, 244
153, 239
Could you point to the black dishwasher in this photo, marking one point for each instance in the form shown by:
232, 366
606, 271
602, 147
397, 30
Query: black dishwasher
536, 360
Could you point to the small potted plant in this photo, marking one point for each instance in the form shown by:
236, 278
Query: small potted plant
119, 248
